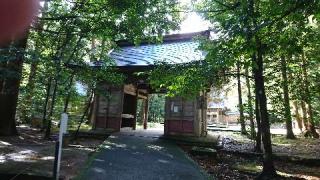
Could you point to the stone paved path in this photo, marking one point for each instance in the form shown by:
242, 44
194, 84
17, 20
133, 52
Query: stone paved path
139, 157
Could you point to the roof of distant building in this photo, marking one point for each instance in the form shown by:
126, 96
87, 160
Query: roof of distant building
214, 105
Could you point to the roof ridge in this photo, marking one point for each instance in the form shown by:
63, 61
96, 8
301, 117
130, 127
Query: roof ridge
167, 38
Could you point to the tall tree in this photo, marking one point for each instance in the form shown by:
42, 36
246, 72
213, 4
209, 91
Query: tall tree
242, 119
10, 87
307, 98
26, 103
297, 115
268, 166
250, 108
286, 98
257, 147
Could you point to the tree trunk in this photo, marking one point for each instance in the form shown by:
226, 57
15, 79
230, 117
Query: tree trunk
10, 91
32, 77
252, 129
58, 53
27, 100
257, 147
286, 98
297, 115
268, 166
307, 99
304, 114
268, 171
92, 108
252, 15
49, 119
68, 89
4, 50
44, 115
242, 120
85, 113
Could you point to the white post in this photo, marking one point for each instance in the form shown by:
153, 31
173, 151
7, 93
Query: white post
63, 130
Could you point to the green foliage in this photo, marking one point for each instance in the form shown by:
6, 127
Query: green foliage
285, 29
156, 108
69, 36
186, 80
179, 79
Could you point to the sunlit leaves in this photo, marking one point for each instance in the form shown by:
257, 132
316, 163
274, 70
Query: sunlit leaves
69, 35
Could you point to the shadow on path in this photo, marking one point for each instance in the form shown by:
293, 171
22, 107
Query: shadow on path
128, 157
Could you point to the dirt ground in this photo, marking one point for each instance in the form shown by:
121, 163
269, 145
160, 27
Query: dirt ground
28, 153
232, 165
300, 147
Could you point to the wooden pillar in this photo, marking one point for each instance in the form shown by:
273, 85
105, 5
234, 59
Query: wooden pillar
135, 110
145, 113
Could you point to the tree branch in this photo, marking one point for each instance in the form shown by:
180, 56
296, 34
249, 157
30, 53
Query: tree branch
297, 6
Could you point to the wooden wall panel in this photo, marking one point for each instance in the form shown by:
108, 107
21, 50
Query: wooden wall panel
115, 103
187, 126
103, 104
109, 108
181, 116
100, 122
177, 108
114, 123
173, 127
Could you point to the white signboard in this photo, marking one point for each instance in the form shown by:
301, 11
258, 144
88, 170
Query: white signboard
63, 130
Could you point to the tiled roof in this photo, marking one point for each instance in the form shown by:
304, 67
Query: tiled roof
144, 55
176, 48
214, 105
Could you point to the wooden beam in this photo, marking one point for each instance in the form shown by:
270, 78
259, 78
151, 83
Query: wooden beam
135, 110
130, 89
